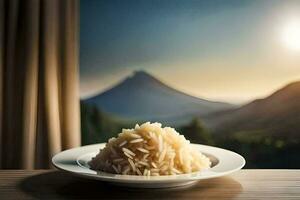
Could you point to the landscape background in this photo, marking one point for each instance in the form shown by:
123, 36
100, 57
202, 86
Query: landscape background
223, 73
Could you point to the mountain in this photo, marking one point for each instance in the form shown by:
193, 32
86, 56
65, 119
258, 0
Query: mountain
143, 97
277, 114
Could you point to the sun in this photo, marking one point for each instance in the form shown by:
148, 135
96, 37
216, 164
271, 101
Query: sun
291, 34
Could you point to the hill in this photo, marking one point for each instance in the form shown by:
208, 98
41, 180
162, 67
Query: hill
277, 114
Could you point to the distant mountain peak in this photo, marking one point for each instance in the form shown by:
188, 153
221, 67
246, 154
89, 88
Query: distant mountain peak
140, 73
141, 77
144, 97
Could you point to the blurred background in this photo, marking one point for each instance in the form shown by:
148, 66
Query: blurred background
223, 73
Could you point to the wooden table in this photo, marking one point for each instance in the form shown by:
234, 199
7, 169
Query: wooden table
245, 184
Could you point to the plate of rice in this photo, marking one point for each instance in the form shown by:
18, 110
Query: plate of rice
149, 156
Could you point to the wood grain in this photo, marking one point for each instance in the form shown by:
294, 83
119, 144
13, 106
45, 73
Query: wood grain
245, 184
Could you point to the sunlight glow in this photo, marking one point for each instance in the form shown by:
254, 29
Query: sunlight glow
291, 34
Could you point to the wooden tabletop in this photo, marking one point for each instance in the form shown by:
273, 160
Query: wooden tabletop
245, 184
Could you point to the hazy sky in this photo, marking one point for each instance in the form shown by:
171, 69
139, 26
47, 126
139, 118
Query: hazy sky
224, 50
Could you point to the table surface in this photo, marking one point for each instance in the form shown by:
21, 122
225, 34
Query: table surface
245, 184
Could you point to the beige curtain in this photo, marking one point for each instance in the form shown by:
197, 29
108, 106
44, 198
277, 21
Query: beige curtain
39, 100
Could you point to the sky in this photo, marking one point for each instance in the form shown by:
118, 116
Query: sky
224, 50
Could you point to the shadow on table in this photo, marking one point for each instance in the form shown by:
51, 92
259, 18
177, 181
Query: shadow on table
59, 185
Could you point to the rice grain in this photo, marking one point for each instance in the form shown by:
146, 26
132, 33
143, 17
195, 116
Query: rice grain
149, 150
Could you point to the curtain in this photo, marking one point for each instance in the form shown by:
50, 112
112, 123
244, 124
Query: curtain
39, 98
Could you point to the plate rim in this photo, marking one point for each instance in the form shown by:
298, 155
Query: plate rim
151, 180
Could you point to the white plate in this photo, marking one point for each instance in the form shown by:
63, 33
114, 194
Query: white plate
75, 161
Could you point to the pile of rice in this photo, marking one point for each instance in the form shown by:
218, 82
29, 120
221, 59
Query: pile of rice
149, 150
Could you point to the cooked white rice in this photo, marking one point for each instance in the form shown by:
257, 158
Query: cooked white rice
149, 150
